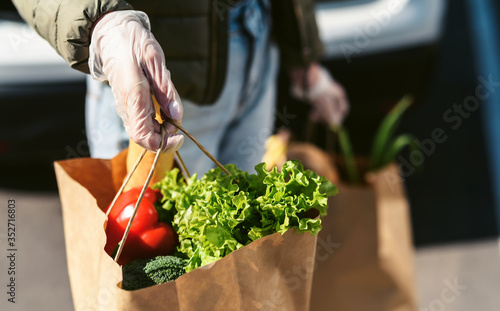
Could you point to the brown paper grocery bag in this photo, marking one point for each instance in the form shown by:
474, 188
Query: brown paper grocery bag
365, 251
272, 273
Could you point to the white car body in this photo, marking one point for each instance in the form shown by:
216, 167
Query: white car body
357, 28
27, 59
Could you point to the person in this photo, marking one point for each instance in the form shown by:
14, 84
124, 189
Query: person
222, 58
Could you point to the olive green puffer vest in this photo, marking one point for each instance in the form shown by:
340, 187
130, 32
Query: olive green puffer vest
192, 33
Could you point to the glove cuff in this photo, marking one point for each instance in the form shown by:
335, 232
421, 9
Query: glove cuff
103, 26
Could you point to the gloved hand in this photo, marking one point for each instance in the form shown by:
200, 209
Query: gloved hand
328, 98
124, 52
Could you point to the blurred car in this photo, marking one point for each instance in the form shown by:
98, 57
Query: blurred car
41, 106
351, 29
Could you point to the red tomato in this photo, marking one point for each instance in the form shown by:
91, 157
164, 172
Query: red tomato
147, 237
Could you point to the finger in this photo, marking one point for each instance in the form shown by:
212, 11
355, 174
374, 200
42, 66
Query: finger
155, 68
140, 110
325, 106
130, 89
171, 143
327, 109
336, 114
342, 99
344, 108
169, 100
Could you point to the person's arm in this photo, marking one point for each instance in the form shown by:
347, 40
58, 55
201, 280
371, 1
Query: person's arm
124, 52
67, 25
315, 85
296, 32
114, 43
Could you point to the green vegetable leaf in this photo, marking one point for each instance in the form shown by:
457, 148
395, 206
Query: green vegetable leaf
402, 141
387, 131
218, 214
350, 162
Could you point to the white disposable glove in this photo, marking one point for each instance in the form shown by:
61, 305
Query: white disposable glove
328, 98
124, 52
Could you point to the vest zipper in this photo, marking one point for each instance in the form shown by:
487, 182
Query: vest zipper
306, 49
213, 58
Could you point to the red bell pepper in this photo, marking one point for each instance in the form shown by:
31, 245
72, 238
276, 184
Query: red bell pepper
147, 236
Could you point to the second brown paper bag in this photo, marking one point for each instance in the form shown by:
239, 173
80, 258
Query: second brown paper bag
371, 268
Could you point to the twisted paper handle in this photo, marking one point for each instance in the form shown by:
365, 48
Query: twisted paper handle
150, 175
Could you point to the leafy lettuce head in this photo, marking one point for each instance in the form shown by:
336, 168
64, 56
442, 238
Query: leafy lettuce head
218, 214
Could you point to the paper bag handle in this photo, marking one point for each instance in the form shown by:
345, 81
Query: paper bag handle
205, 151
184, 170
141, 195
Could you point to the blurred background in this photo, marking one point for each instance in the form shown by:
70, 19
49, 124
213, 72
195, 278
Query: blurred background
440, 51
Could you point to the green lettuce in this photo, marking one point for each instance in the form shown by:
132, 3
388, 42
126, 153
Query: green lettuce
218, 214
